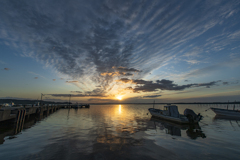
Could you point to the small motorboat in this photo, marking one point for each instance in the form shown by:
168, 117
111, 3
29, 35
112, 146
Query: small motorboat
170, 112
226, 112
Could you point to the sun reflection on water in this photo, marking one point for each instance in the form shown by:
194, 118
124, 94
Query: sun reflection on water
119, 109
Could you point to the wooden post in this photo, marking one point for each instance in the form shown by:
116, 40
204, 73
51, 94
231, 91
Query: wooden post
227, 105
23, 119
41, 99
69, 101
234, 105
20, 121
17, 121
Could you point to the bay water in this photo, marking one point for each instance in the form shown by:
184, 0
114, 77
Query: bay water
124, 131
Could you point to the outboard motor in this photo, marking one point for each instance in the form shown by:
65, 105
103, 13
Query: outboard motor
191, 115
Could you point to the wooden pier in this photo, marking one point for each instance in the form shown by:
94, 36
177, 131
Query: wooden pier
14, 119
19, 113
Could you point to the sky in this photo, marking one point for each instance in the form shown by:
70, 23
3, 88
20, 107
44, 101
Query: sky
111, 51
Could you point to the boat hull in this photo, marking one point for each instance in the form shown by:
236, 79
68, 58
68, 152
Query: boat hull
182, 126
157, 114
225, 112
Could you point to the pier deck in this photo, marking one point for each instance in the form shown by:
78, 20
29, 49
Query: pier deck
8, 113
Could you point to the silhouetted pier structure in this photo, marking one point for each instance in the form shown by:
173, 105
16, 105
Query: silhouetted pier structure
19, 113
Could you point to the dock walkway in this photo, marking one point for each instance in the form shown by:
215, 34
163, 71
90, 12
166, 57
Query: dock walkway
8, 113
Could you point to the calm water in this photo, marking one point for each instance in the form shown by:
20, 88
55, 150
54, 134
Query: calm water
122, 132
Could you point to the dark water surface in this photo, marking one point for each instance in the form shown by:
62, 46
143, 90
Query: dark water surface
123, 132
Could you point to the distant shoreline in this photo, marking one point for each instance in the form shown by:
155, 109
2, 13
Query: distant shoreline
16, 101
172, 103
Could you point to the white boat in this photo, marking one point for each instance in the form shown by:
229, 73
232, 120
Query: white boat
226, 112
170, 112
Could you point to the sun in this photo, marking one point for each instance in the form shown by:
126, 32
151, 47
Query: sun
119, 97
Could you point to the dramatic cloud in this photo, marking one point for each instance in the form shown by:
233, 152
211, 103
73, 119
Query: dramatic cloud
125, 69
102, 100
127, 74
93, 42
71, 81
112, 74
6, 69
120, 71
152, 96
124, 80
74, 95
76, 92
149, 86
207, 85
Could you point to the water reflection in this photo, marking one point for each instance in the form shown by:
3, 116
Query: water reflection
120, 109
119, 132
233, 121
10, 129
217, 117
192, 130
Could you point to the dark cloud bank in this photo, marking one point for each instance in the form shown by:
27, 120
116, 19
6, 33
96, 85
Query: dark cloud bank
150, 86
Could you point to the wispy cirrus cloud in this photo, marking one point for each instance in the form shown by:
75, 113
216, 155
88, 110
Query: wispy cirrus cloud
85, 39
125, 69
2, 62
37, 75
113, 74
215, 67
193, 61
225, 83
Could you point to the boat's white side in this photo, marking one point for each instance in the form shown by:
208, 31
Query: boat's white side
159, 113
225, 112
182, 126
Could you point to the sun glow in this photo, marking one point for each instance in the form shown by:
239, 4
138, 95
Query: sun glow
119, 97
